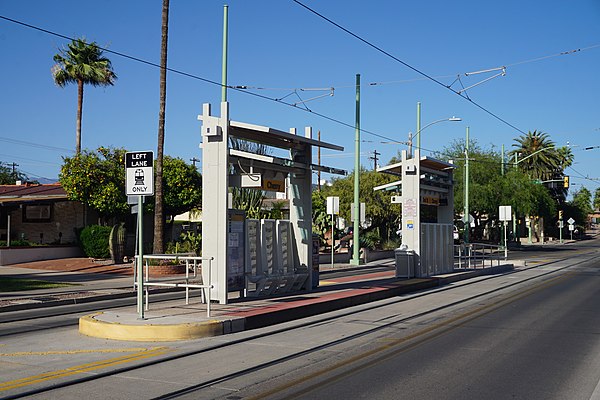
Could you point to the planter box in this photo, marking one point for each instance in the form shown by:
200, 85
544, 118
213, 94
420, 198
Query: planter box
374, 255
366, 256
17, 255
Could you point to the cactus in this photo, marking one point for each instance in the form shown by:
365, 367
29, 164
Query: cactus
116, 243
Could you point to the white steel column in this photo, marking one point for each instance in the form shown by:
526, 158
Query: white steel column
215, 187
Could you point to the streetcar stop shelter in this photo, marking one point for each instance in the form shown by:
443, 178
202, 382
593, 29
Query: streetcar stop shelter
250, 256
425, 190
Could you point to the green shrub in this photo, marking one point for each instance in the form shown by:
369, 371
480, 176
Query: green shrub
391, 244
94, 241
16, 243
371, 240
189, 242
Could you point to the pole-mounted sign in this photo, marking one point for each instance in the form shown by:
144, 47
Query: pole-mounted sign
139, 173
139, 181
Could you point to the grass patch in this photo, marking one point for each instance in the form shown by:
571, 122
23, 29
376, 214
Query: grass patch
18, 284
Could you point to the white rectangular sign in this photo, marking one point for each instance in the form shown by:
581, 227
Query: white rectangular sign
333, 205
505, 213
362, 218
139, 173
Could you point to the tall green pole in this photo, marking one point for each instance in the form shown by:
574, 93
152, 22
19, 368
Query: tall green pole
516, 237
356, 237
224, 62
466, 211
419, 127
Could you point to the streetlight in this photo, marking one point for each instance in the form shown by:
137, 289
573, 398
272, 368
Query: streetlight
517, 161
419, 129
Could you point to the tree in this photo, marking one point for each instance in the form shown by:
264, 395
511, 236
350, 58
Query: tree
583, 200
539, 157
159, 219
597, 199
489, 189
182, 187
98, 180
484, 171
9, 174
82, 63
379, 211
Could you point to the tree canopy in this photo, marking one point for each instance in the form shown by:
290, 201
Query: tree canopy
8, 175
182, 186
98, 179
378, 208
82, 63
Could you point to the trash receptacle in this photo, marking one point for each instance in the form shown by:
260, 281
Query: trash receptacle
405, 263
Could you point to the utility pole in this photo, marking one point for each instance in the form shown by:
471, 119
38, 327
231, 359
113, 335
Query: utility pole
418, 127
374, 158
14, 172
194, 161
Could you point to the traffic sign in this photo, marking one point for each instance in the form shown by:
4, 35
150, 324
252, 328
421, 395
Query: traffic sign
571, 227
571, 221
139, 173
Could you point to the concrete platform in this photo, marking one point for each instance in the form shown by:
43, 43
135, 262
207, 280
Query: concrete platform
177, 321
127, 326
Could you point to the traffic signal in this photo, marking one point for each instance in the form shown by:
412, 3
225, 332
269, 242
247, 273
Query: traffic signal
566, 182
560, 214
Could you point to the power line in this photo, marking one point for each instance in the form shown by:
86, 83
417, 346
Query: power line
205, 80
31, 144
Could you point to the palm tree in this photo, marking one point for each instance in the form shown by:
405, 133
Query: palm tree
540, 159
82, 63
159, 220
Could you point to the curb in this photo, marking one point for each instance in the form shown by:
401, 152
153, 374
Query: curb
91, 325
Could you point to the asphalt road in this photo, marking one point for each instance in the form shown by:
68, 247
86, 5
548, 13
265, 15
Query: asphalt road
540, 344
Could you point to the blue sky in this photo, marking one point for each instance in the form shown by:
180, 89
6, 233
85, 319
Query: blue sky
280, 47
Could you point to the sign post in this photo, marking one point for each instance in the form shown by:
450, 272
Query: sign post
333, 208
505, 213
571, 221
139, 181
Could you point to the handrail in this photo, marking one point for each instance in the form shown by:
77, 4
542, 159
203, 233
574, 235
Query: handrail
478, 255
187, 285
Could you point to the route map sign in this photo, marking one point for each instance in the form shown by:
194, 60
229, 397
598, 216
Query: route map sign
139, 173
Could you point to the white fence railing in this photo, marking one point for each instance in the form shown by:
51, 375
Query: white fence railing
478, 255
192, 264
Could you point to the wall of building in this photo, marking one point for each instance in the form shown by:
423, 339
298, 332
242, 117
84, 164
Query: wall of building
65, 217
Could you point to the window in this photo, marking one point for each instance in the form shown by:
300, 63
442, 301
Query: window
37, 213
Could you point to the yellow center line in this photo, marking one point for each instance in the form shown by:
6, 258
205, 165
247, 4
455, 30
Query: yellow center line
60, 352
80, 369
